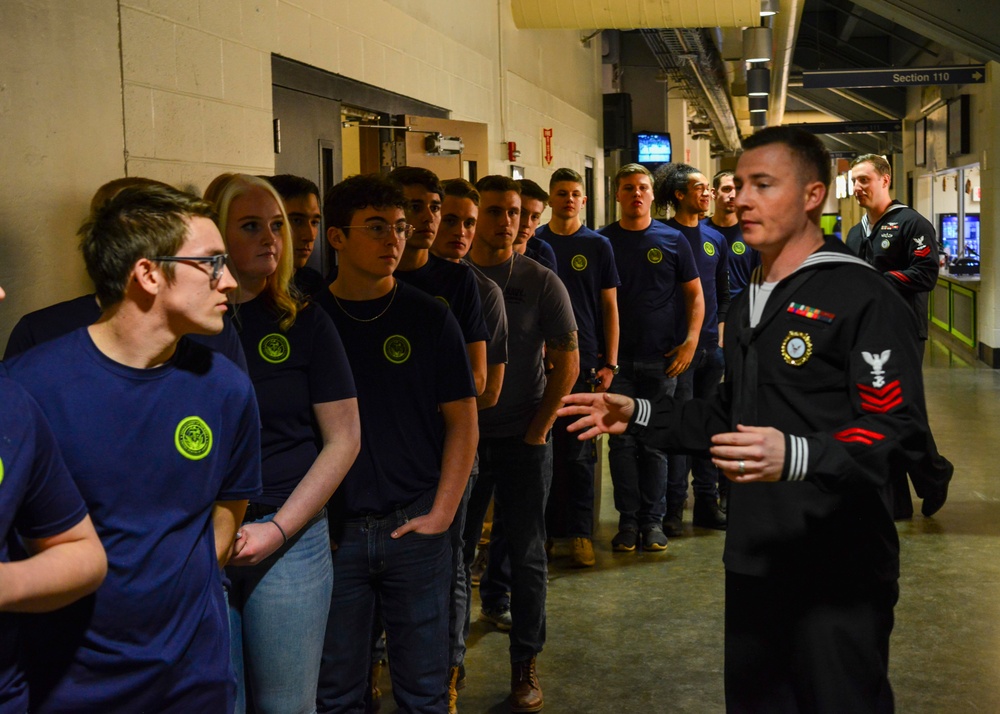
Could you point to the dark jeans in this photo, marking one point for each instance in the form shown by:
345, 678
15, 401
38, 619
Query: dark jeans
808, 643
571, 504
411, 580
638, 471
520, 475
461, 593
700, 381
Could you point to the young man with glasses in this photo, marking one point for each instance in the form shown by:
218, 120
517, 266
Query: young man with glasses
391, 515
56, 320
162, 438
688, 192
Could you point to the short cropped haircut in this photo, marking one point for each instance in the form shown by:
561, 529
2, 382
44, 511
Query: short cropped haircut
629, 170
357, 193
290, 186
142, 221
560, 175
405, 176
812, 156
878, 163
109, 190
669, 179
460, 188
717, 179
530, 189
497, 182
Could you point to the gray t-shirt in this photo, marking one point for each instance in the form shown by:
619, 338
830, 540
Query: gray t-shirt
494, 315
538, 309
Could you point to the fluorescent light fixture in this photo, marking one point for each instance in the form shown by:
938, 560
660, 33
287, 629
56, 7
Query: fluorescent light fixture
757, 104
757, 44
758, 119
768, 8
758, 82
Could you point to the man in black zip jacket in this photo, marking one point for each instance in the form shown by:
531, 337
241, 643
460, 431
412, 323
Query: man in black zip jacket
823, 399
901, 244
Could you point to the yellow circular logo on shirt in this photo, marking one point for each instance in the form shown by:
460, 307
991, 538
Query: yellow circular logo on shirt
443, 299
193, 438
708, 248
1, 470
396, 349
274, 348
739, 247
579, 263
654, 256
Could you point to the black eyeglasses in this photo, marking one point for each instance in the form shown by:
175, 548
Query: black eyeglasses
379, 231
218, 262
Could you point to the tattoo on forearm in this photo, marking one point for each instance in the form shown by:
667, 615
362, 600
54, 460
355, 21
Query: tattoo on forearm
565, 343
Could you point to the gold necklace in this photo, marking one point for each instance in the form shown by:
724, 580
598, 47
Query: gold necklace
395, 284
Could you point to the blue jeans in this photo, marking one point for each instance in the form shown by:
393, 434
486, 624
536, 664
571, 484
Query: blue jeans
638, 471
700, 381
521, 475
276, 610
410, 577
574, 462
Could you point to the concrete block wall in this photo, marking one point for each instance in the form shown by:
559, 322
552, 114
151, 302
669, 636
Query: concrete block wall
180, 90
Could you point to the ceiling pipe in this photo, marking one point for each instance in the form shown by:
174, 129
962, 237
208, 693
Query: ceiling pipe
785, 27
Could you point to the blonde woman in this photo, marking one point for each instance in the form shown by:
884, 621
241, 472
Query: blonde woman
281, 570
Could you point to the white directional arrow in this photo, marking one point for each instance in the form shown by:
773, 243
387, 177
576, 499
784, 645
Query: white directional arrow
977, 76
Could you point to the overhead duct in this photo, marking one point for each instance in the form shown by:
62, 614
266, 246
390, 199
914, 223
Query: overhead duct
632, 14
693, 63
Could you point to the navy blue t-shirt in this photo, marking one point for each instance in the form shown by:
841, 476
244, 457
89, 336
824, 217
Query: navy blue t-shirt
541, 252
455, 286
309, 281
408, 356
711, 255
38, 499
742, 258
586, 265
291, 371
152, 451
64, 317
652, 264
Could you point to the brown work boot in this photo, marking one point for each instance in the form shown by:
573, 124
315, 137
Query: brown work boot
453, 690
375, 694
582, 555
525, 690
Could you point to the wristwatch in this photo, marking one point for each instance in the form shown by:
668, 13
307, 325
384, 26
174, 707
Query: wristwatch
613, 367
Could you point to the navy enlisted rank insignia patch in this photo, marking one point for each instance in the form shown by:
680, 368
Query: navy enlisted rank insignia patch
193, 438
810, 312
654, 256
797, 348
396, 349
579, 262
274, 348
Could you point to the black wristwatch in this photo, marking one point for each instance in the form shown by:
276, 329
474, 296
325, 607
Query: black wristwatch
613, 367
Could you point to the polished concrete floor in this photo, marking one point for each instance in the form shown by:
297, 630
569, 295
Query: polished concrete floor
643, 632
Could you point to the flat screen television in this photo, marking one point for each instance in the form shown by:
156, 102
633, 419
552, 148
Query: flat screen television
948, 233
653, 148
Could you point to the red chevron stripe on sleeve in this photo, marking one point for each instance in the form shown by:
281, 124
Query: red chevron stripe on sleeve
902, 277
859, 436
881, 400
922, 252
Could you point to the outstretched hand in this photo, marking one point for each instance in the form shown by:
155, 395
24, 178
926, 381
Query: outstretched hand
600, 413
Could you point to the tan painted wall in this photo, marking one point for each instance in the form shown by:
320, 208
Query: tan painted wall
188, 96
60, 138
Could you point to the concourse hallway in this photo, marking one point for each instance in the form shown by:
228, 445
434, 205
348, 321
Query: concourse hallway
643, 633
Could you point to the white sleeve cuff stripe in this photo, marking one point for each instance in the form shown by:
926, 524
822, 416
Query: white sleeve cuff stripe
798, 458
643, 410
